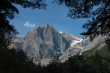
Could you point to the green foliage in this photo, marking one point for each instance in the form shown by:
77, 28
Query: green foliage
79, 8
100, 23
9, 61
8, 7
8, 10
79, 64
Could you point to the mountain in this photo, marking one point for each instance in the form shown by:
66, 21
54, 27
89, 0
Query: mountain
75, 47
17, 43
98, 45
45, 44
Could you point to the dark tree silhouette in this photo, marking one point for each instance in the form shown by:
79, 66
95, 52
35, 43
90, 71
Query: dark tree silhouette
79, 8
8, 7
8, 10
9, 61
100, 23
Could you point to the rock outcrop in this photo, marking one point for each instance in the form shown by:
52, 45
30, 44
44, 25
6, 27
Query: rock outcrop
45, 44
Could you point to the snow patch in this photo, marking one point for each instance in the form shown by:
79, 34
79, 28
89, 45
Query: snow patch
74, 42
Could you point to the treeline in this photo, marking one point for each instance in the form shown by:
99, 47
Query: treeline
10, 62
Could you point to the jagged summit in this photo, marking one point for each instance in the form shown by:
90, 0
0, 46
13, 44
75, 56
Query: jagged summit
45, 44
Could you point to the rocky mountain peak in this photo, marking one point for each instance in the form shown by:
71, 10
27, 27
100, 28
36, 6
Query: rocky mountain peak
45, 44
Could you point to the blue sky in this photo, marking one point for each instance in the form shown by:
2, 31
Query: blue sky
55, 15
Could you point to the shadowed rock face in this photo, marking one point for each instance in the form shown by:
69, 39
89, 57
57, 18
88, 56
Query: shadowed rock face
45, 44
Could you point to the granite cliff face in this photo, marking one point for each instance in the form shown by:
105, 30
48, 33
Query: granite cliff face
45, 44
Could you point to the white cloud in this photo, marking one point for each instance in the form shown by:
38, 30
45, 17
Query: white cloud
27, 24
